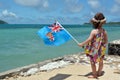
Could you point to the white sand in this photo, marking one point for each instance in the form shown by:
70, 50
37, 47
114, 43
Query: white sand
74, 71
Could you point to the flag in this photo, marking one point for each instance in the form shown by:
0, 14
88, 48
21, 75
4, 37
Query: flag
54, 35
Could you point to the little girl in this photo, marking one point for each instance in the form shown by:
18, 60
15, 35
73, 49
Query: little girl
96, 44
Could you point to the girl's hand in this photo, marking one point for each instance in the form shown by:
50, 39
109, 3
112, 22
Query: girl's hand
80, 44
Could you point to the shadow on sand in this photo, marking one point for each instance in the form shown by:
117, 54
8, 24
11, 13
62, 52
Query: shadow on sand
90, 73
59, 77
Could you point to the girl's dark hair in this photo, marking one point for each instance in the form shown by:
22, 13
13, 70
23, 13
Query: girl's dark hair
98, 16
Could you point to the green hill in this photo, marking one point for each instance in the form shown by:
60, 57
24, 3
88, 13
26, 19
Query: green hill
113, 22
2, 22
106, 23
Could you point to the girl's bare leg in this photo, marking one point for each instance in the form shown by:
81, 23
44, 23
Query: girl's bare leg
94, 73
100, 67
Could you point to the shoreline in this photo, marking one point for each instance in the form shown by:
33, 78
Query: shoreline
18, 70
113, 62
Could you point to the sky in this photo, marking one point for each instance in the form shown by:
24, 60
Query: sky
64, 11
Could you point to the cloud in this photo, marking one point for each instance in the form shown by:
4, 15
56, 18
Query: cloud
9, 16
6, 13
33, 3
46, 4
40, 5
27, 2
115, 8
118, 1
73, 6
94, 3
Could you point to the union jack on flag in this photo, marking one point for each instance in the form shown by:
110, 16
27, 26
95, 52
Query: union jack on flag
55, 27
54, 34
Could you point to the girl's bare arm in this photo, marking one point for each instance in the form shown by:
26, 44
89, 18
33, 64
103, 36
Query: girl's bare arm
106, 37
88, 39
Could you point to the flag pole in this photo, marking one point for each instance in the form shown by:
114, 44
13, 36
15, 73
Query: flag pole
68, 33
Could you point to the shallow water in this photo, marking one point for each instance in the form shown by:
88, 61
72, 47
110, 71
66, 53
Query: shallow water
20, 45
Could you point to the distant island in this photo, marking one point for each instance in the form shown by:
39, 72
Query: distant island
113, 23
3, 22
106, 23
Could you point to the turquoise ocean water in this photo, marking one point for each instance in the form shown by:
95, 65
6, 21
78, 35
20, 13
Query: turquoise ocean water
20, 44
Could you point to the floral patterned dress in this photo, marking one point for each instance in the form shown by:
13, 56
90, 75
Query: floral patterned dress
96, 48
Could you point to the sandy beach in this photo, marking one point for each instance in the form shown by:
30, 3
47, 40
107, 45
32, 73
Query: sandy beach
71, 72
72, 67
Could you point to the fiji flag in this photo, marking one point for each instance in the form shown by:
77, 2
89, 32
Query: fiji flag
54, 35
